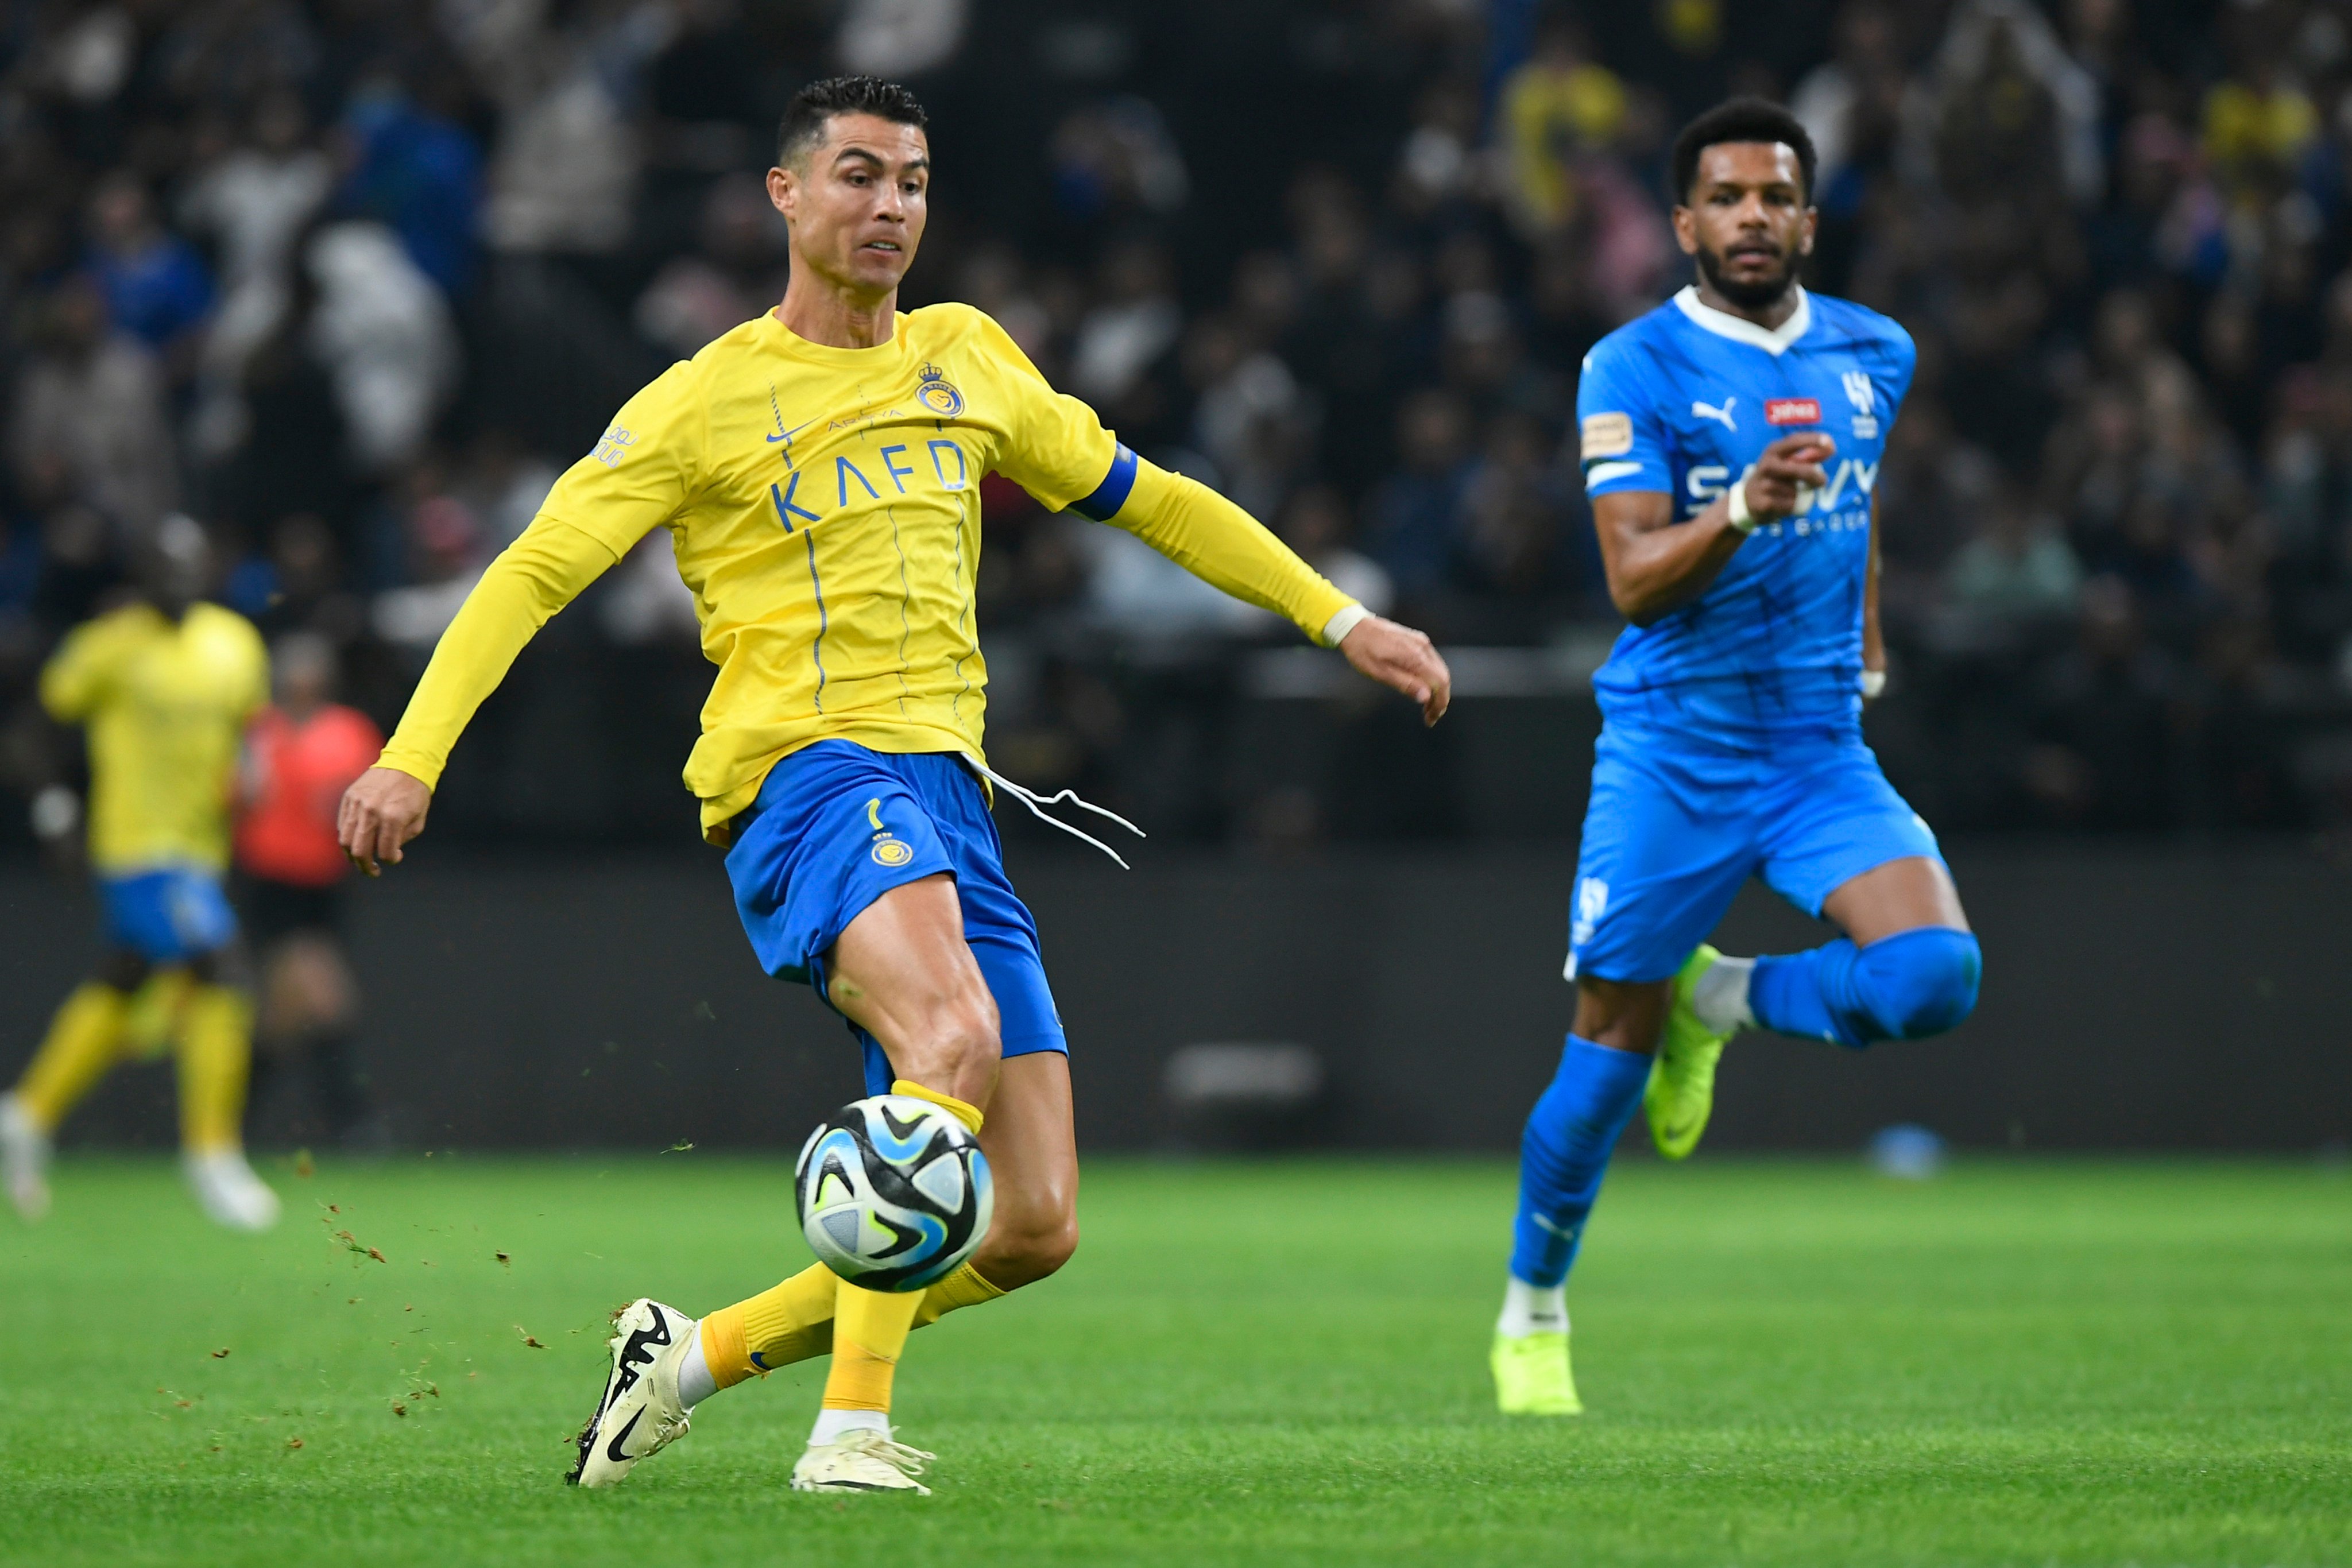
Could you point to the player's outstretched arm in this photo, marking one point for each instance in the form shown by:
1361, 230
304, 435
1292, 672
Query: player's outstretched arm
1224, 547
1655, 565
1402, 659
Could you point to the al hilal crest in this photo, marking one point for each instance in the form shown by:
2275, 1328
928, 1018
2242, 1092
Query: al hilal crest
937, 395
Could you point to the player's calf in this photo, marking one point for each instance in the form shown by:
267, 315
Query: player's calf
1920, 983
1909, 986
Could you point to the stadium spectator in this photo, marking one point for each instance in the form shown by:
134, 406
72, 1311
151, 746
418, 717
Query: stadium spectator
2017, 572
416, 172
1411, 512
156, 286
89, 424
1558, 106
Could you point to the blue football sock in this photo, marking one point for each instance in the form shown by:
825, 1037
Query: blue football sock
1565, 1150
1905, 987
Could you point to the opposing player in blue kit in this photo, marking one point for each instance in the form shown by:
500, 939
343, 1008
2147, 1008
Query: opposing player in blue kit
1731, 441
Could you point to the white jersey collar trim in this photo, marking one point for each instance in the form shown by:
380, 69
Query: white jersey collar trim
1739, 329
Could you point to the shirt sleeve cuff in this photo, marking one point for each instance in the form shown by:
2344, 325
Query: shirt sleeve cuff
1349, 616
417, 765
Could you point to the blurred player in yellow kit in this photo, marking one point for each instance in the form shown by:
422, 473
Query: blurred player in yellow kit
819, 470
165, 687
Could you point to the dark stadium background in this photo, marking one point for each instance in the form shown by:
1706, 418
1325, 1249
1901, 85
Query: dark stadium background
350, 281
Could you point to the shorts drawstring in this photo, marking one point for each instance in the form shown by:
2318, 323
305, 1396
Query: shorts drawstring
1037, 809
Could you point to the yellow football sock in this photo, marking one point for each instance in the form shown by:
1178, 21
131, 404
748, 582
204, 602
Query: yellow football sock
216, 1051
968, 1114
869, 1331
795, 1320
83, 1042
775, 1328
964, 1288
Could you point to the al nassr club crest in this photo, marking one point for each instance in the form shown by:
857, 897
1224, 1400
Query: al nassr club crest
937, 394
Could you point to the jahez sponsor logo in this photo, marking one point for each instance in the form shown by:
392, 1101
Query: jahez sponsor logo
1792, 411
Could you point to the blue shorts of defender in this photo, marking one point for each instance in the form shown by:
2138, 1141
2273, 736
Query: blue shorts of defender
835, 827
168, 916
1676, 825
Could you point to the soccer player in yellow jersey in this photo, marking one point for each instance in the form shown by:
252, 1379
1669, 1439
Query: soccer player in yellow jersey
165, 687
819, 471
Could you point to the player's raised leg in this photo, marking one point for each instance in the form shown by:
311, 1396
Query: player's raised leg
1909, 966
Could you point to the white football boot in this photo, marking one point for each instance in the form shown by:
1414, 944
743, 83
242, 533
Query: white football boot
25, 1158
230, 1193
861, 1460
641, 1412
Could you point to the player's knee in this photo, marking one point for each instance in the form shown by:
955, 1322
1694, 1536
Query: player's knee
1920, 982
1621, 1015
1029, 1252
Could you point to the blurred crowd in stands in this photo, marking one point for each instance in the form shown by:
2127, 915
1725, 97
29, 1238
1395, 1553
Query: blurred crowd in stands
350, 281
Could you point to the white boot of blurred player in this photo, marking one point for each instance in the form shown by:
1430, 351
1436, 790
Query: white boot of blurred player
25, 1160
230, 1193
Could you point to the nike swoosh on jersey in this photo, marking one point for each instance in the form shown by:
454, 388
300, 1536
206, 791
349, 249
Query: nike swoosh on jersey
788, 434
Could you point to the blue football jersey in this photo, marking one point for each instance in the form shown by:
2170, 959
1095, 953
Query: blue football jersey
1682, 400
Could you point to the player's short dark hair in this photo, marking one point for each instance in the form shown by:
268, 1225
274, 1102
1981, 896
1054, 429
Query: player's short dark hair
1740, 119
803, 123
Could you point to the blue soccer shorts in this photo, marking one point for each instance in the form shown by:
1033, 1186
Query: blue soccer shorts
167, 915
835, 827
1677, 826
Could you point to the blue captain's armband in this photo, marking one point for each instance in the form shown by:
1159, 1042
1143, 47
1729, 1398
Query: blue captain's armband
1110, 494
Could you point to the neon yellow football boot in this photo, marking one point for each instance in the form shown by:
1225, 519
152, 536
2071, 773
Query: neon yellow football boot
1681, 1090
1532, 1376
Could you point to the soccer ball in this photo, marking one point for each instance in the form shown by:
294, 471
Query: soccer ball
894, 1193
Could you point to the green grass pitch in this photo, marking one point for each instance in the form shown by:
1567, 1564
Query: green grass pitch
1786, 1363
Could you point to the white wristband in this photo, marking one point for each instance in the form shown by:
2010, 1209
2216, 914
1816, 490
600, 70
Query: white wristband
1740, 518
1874, 682
1342, 622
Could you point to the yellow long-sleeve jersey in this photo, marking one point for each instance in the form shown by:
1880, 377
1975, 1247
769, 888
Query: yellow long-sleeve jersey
825, 508
166, 704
